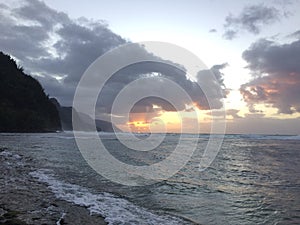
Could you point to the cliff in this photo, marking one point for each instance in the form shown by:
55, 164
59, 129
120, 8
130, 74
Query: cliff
24, 106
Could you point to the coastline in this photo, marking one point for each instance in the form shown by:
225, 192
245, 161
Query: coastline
45, 181
24, 200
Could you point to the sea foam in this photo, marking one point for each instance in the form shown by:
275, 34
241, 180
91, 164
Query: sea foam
114, 209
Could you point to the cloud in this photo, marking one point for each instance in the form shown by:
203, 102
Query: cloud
251, 19
256, 115
276, 75
154, 72
233, 113
50, 44
295, 34
58, 49
212, 30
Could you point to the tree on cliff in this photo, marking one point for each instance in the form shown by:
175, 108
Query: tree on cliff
24, 106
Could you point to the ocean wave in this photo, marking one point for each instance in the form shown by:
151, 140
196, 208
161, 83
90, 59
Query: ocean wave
114, 209
11, 158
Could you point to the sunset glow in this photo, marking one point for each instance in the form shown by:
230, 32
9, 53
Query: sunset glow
255, 59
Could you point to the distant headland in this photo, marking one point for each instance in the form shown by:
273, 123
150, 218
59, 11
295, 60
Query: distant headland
25, 107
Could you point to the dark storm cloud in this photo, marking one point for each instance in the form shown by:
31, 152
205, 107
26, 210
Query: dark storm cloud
81, 46
51, 45
214, 88
251, 19
210, 87
276, 75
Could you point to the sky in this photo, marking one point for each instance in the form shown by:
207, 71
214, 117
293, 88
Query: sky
252, 47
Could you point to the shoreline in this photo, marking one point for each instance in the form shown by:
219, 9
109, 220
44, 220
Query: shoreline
24, 200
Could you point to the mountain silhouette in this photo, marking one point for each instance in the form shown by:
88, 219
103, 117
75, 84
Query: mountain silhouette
24, 106
85, 122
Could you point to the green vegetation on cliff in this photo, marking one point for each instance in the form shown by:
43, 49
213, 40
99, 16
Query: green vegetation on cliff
24, 106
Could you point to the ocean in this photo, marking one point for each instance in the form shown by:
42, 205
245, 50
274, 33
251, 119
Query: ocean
255, 179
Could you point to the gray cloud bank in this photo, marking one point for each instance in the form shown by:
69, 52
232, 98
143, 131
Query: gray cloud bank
58, 49
49, 43
276, 75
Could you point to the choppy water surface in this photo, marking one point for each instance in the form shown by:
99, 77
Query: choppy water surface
255, 179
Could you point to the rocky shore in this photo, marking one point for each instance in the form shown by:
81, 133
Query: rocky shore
24, 200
